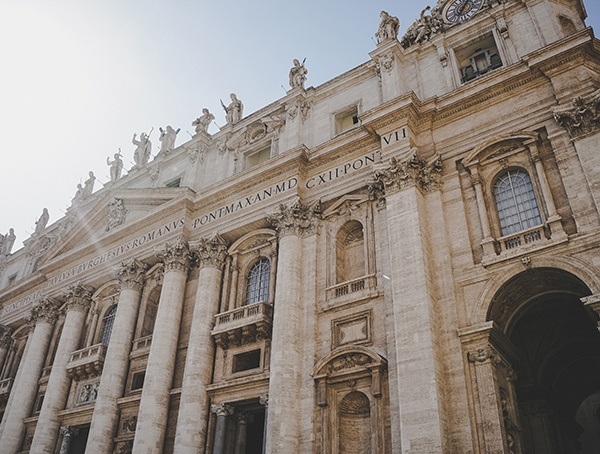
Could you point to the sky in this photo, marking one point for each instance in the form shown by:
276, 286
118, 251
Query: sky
79, 78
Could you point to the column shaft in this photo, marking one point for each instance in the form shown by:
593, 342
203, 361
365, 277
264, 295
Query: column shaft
154, 404
25, 389
114, 375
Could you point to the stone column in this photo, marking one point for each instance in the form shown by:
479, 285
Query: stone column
114, 375
5, 342
67, 433
264, 400
240, 433
222, 411
194, 407
42, 318
292, 224
488, 241
234, 284
78, 301
405, 185
154, 404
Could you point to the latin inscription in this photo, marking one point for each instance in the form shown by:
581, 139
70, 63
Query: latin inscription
393, 137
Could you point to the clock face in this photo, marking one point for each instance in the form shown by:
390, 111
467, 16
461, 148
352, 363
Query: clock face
461, 10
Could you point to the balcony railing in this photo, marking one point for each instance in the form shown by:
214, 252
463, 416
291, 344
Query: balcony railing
143, 343
353, 286
5, 387
243, 325
87, 362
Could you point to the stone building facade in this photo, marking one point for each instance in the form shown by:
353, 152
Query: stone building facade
404, 259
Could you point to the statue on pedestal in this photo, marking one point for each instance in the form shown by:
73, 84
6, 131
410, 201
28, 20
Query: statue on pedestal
167, 139
203, 122
298, 74
141, 155
388, 27
234, 111
116, 166
41, 223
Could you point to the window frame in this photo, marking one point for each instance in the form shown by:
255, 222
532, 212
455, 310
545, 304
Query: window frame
263, 285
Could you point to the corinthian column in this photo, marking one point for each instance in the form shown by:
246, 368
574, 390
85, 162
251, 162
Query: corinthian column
5, 341
154, 404
194, 406
405, 186
78, 301
42, 318
114, 375
283, 430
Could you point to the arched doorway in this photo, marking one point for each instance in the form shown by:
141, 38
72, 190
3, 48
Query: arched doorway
557, 344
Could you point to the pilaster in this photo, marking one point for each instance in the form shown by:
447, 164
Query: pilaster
5, 343
131, 276
193, 415
154, 404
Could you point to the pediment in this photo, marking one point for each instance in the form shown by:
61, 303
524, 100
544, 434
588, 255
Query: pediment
346, 204
111, 213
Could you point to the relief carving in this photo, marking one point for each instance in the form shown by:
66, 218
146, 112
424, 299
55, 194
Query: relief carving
298, 219
116, 214
131, 274
129, 424
581, 117
88, 393
176, 256
349, 361
481, 355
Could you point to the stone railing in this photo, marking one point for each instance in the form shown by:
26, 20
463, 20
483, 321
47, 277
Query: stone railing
520, 239
353, 286
243, 325
87, 362
142, 344
5, 387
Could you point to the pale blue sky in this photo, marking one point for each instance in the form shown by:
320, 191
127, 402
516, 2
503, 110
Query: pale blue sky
80, 77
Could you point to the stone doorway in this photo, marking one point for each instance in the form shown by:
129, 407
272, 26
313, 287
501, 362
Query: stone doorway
238, 428
78, 439
557, 383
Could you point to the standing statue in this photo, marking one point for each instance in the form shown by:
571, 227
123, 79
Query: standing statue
234, 111
88, 187
298, 74
41, 223
79, 195
141, 155
9, 240
116, 166
388, 27
167, 139
203, 122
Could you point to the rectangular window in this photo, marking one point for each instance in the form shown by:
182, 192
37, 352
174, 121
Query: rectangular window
174, 183
347, 119
246, 361
258, 156
137, 381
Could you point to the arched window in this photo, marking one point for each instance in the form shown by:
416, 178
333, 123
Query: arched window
107, 324
257, 289
515, 202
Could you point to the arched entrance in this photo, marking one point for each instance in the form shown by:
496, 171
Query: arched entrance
556, 347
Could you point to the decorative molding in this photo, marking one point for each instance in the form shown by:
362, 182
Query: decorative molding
79, 297
222, 409
211, 252
176, 256
400, 175
581, 117
116, 214
349, 361
481, 355
298, 219
385, 63
45, 311
129, 424
264, 400
131, 275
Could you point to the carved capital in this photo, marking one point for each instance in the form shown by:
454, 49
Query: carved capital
244, 418
5, 337
264, 400
176, 256
79, 297
211, 252
475, 179
298, 219
481, 355
400, 175
46, 311
131, 274
581, 117
222, 409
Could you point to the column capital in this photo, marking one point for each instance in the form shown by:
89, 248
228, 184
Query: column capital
5, 336
244, 418
175, 255
79, 297
481, 355
45, 311
410, 172
131, 274
580, 117
298, 219
222, 409
211, 252
264, 400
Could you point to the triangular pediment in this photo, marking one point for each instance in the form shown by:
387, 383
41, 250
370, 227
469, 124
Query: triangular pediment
345, 204
111, 214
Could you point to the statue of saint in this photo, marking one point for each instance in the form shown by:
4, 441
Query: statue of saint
41, 223
234, 111
7, 242
88, 187
167, 139
79, 195
116, 166
141, 155
203, 122
388, 27
298, 74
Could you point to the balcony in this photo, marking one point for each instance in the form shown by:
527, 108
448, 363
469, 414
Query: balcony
141, 346
243, 325
351, 291
5, 387
87, 362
